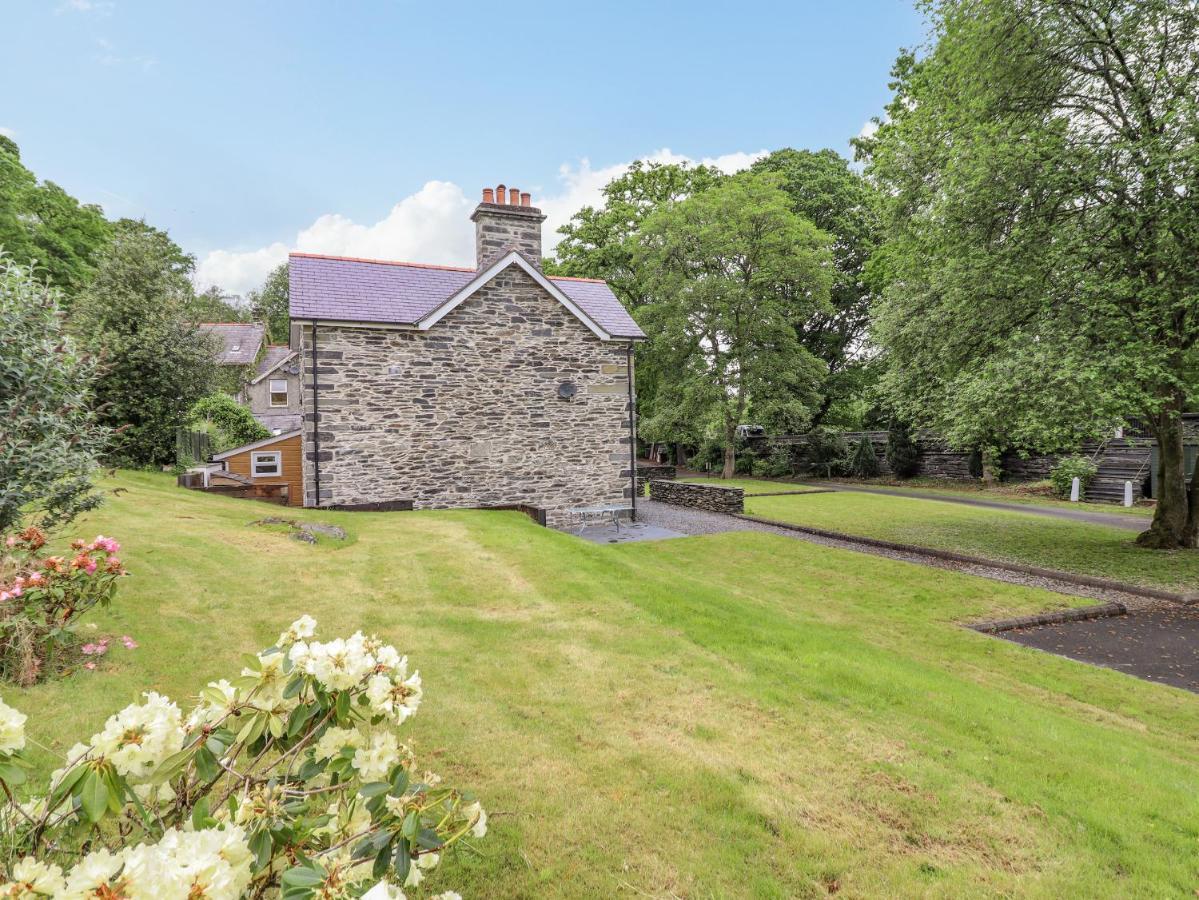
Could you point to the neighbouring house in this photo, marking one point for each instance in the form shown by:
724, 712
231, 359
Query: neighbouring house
266, 469
239, 345
273, 394
493, 386
264, 378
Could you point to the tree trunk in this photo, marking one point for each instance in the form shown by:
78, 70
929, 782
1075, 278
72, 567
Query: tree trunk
1173, 526
680, 456
730, 453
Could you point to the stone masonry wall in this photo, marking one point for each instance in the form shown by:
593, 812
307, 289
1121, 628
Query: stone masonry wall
698, 496
645, 473
467, 414
499, 228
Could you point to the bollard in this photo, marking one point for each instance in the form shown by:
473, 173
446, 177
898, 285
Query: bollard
1128, 493
1074, 489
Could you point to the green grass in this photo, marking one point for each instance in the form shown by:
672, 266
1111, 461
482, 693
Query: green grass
1013, 536
734, 715
1003, 494
753, 486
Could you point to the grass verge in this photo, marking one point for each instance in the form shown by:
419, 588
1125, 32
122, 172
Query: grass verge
733, 715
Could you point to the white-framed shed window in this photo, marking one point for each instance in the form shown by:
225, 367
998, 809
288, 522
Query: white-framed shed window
266, 463
278, 388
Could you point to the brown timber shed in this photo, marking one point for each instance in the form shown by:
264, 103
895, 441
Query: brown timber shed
272, 461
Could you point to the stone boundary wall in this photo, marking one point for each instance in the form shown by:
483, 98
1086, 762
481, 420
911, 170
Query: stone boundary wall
646, 473
709, 497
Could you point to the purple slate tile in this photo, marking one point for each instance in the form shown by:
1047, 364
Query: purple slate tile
343, 289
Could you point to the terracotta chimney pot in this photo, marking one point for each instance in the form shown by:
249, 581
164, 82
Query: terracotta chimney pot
526, 200
514, 196
488, 195
499, 194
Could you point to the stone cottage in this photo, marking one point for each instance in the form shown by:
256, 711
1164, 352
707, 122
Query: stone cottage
496, 386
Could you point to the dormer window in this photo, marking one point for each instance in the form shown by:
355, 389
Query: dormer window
235, 347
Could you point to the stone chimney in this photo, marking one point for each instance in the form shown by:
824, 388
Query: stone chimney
506, 219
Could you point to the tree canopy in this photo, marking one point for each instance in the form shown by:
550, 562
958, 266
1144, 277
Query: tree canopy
269, 305
42, 223
728, 273
1042, 174
137, 315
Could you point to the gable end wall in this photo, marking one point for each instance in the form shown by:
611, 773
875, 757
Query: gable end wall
466, 414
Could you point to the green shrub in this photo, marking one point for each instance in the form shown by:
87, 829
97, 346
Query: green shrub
902, 452
228, 423
828, 453
864, 462
708, 457
775, 464
1063, 474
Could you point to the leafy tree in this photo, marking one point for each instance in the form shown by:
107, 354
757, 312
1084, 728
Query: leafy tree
827, 192
602, 243
233, 423
49, 439
213, 306
1042, 170
730, 270
135, 314
41, 222
903, 456
864, 462
270, 305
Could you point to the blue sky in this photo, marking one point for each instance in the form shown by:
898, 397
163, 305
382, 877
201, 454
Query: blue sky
249, 128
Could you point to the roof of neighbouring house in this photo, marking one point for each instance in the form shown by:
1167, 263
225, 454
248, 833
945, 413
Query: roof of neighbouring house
274, 357
348, 289
240, 341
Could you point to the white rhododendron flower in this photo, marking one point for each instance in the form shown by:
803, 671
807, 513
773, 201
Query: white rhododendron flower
447, 895
138, 738
91, 874
208, 711
376, 759
340, 664
335, 740
12, 729
397, 699
33, 878
477, 816
384, 891
300, 630
426, 862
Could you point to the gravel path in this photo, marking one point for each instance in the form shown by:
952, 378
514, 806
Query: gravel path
694, 522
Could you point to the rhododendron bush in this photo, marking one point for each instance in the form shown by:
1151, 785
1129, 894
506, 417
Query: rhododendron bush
289, 780
41, 599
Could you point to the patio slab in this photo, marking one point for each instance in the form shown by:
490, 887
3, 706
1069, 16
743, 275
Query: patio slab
1159, 644
627, 533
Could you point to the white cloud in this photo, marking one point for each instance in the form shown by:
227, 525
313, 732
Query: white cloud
108, 56
869, 130
429, 226
8, 132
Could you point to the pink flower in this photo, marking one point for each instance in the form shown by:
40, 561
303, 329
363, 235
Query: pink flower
130, 643
10, 541
107, 544
89, 665
89, 649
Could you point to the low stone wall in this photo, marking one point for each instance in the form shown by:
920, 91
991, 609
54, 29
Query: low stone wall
646, 473
708, 497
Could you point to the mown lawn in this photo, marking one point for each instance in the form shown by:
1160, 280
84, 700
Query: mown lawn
734, 715
1004, 493
995, 534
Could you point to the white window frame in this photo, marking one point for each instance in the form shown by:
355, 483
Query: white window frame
270, 391
275, 459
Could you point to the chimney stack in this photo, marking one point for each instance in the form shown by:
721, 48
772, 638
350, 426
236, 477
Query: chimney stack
506, 220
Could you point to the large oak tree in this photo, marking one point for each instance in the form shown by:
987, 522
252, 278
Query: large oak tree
1041, 161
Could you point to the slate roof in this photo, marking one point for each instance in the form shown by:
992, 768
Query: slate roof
240, 342
346, 289
273, 355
